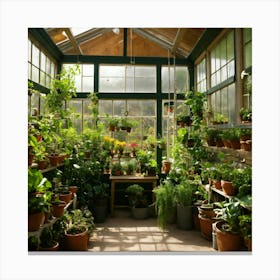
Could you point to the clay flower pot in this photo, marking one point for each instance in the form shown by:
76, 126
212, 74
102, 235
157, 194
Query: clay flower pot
227, 241
55, 247
35, 220
58, 209
73, 189
228, 188
77, 241
65, 196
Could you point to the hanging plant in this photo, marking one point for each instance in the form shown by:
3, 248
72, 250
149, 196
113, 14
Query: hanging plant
62, 89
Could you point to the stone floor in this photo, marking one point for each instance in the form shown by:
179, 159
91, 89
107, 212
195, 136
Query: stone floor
122, 233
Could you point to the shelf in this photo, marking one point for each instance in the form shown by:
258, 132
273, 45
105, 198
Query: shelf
53, 220
241, 156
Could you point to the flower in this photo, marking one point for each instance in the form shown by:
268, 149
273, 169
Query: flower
133, 145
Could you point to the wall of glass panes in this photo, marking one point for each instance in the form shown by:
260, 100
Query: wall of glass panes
222, 67
127, 78
247, 81
84, 81
201, 76
181, 79
142, 112
41, 68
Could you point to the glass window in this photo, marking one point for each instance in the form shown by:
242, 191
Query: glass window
201, 75
247, 38
222, 60
127, 78
182, 79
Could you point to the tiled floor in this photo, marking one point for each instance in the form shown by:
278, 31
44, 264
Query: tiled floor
122, 233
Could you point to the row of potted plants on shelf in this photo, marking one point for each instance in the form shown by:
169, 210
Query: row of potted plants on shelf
234, 138
69, 233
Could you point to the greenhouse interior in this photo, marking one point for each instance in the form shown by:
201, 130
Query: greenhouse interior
140, 140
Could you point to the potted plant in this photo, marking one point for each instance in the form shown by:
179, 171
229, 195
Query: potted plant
210, 136
245, 115
113, 123
184, 195
38, 203
151, 167
228, 230
137, 201
77, 232
165, 204
98, 200
62, 89
47, 241
116, 168
245, 224
130, 167
227, 172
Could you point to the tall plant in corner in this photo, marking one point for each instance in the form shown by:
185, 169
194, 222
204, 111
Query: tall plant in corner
62, 89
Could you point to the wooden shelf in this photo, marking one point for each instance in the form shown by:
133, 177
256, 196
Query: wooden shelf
241, 156
53, 220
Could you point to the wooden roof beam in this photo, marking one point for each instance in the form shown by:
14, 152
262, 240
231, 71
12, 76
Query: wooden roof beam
73, 40
179, 36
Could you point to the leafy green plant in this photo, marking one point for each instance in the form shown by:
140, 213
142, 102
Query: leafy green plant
185, 193
245, 114
36, 181
229, 212
62, 89
165, 202
47, 238
245, 225
136, 196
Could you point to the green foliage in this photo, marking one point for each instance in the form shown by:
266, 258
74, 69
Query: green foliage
36, 181
165, 202
245, 225
78, 220
245, 114
136, 196
230, 213
242, 180
62, 89
185, 192
47, 238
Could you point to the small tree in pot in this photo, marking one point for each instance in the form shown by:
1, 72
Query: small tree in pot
137, 201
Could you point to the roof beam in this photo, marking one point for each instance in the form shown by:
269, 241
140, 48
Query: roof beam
84, 37
179, 36
73, 40
164, 44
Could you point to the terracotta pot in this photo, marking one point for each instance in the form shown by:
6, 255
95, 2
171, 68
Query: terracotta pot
58, 209
228, 188
211, 143
76, 242
55, 247
235, 144
248, 146
65, 197
42, 164
227, 143
35, 221
73, 189
206, 226
54, 160
219, 143
227, 241
217, 184
207, 213
166, 166
248, 244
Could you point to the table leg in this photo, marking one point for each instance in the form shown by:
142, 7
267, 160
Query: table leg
112, 198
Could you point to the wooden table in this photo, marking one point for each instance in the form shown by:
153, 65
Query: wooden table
129, 179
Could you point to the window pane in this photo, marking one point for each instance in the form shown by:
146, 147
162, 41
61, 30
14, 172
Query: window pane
224, 102
87, 70
29, 50
87, 84
167, 75
48, 65
42, 78
43, 62
111, 71
247, 34
148, 108
248, 55
230, 46
111, 84
29, 71
223, 53
35, 74
134, 107
35, 55
119, 107
145, 84
231, 70
105, 107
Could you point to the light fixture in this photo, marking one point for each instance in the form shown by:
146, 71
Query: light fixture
116, 31
243, 74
